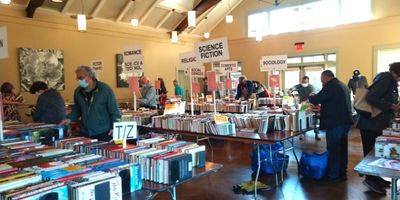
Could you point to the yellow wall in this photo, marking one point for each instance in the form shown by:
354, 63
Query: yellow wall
102, 41
353, 43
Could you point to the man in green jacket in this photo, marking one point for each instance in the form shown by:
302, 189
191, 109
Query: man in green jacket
95, 105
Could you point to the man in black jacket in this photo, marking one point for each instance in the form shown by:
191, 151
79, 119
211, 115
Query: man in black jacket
383, 95
245, 89
336, 119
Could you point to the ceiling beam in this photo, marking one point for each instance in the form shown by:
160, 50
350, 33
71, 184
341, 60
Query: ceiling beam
147, 13
202, 7
124, 10
97, 8
161, 22
67, 5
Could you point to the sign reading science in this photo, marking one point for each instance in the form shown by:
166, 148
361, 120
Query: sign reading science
271, 63
212, 50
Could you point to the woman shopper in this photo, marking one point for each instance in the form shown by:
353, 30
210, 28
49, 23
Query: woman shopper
382, 94
11, 101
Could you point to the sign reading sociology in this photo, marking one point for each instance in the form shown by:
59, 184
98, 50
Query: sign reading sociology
272, 63
212, 50
228, 66
97, 65
133, 59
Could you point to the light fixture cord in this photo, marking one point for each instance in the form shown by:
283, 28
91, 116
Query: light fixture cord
83, 8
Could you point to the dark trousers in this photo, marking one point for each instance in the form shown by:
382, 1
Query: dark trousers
101, 137
368, 142
336, 145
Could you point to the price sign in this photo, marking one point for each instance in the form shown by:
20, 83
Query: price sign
124, 130
221, 119
170, 108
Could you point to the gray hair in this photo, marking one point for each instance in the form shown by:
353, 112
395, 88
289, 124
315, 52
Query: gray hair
88, 71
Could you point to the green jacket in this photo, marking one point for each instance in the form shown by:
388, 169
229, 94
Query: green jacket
97, 116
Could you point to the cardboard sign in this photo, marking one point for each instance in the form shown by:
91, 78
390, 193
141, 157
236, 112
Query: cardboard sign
97, 65
124, 130
196, 87
228, 66
188, 60
134, 85
274, 81
271, 63
211, 81
3, 43
133, 59
174, 108
220, 86
197, 71
221, 119
157, 84
212, 50
228, 84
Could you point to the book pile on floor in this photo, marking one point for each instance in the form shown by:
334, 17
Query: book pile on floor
160, 160
34, 171
200, 124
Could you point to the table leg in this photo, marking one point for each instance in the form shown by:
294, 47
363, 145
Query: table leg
172, 193
394, 188
294, 153
60, 132
283, 161
272, 164
258, 170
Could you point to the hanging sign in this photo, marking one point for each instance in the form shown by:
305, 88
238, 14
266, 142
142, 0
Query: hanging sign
3, 43
124, 130
212, 50
271, 63
228, 66
134, 85
197, 71
211, 81
97, 65
133, 59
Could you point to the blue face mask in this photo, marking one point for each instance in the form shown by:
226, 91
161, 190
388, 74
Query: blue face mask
83, 83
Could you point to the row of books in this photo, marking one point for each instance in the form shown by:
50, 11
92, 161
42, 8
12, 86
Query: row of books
269, 101
220, 107
140, 117
387, 146
200, 124
160, 160
34, 171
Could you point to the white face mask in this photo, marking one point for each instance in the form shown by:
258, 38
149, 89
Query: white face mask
304, 84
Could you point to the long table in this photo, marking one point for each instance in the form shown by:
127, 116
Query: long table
364, 168
256, 138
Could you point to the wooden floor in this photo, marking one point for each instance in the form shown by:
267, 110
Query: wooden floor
236, 160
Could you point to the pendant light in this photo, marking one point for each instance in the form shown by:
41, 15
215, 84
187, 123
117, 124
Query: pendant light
5, 1
134, 21
174, 34
206, 34
191, 19
229, 17
81, 19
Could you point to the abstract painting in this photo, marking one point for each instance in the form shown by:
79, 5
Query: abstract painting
45, 65
122, 74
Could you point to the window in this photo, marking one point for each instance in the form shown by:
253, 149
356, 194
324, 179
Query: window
386, 56
314, 73
294, 60
292, 78
317, 14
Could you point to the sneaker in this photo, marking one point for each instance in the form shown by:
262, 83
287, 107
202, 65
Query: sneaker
374, 186
383, 182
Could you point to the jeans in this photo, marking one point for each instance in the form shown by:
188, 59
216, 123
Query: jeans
368, 142
337, 145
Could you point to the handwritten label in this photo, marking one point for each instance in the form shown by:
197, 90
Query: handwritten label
221, 119
124, 130
97, 65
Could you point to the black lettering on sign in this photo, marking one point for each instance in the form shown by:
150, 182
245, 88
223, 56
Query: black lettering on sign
212, 54
188, 60
273, 62
135, 52
118, 130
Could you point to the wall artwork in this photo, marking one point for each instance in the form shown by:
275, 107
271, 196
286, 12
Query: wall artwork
122, 77
3, 43
45, 65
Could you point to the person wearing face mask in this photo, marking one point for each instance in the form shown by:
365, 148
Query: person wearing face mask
382, 94
357, 81
95, 105
50, 106
304, 89
336, 118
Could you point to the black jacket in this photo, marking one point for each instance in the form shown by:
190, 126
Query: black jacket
381, 94
250, 89
50, 108
335, 104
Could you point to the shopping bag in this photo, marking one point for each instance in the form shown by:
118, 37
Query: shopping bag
361, 105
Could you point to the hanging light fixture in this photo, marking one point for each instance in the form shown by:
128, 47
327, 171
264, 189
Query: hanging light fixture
174, 34
81, 19
5, 1
191, 18
206, 34
134, 21
229, 17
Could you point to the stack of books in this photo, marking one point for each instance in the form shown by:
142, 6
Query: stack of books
387, 146
220, 107
140, 117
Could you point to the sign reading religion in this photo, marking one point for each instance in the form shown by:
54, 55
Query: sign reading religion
273, 63
228, 66
133, 59
212, 50
188, 63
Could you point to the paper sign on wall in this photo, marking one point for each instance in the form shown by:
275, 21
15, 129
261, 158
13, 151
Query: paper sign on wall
196, 87
211, 81
97, 65
228, 66
3, 43
228, 84
212, 50
124, 130
274, 81
133, 59
197, 71
134, 85
157, 84
271, 63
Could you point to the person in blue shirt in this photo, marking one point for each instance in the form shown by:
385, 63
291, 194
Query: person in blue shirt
179, 90
148, 92
245, 89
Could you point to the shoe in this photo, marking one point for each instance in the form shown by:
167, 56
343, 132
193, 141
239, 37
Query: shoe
374, 186
383, 182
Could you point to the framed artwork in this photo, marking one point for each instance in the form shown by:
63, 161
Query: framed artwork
45, 65
122, 74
